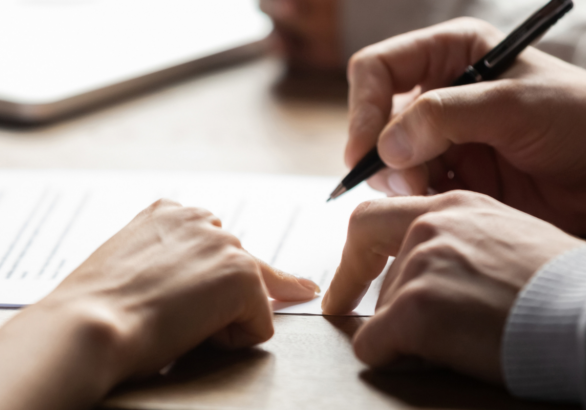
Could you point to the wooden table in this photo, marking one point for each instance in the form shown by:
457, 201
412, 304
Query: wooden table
244, 118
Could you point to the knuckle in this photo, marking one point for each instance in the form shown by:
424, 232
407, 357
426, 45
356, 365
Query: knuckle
362, 60
431, 104
242, 268
430, 110
413, 313
214, 220
429, 258
163, 203
363, 214
464, 198
358, 61
195, 214
419, 261
458, 197
426, 226
227, 239
157, 206
360, 212
219, 239
416, 299
432, 259
199, 220
425, 254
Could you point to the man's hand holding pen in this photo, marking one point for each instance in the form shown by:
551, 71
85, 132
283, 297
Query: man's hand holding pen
517, 139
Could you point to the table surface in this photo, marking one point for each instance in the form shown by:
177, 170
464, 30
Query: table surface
246, 118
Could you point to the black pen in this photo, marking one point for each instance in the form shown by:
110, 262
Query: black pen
489, 67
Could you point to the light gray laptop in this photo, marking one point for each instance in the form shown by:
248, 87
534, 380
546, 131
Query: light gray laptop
61, 56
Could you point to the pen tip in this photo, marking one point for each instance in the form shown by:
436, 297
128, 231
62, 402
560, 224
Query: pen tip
337, 192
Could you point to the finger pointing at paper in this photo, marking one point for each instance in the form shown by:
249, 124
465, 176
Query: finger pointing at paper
375, 232
461, 260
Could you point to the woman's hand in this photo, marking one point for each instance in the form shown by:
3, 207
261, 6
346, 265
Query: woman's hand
461, 260
519, 139
166, 282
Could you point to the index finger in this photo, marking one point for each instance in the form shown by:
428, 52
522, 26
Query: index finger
431, 58
375, 232
284, 286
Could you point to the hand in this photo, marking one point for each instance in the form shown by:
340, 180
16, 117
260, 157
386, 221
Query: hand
518, 139
461, 260
306, 31
166, 282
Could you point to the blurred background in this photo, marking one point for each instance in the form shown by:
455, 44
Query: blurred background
223, 85
176, 84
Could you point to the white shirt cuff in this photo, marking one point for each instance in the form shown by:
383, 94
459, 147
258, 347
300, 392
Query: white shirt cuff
543, 344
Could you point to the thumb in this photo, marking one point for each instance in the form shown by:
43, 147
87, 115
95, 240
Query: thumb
479, 113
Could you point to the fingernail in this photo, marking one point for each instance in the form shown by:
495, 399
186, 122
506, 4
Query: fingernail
396, 145
309, 284
398, 185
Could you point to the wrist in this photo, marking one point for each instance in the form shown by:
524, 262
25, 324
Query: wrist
92, 326
78, 349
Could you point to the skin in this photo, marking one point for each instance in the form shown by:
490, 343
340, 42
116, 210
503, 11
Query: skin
165, 283
306, 32
517, 139
461, 260
461, 257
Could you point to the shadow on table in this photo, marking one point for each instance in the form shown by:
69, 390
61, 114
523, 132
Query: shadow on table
442, 389
206, 377
204, 361
420, 384
346, 325
294, 362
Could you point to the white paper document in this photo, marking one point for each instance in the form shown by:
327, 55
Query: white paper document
51, 221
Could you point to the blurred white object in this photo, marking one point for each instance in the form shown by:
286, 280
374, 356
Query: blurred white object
60, 56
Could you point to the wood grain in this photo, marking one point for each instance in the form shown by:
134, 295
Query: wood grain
308, 364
